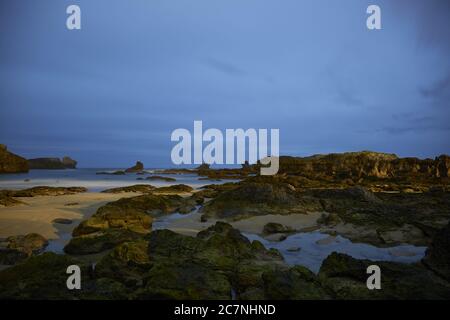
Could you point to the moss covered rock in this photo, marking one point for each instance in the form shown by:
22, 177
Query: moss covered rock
345, 278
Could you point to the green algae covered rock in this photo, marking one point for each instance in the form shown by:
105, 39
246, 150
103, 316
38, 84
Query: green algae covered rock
17, 248
141, 188
39, 277
345, 278
176, 188
99, 241
297, 283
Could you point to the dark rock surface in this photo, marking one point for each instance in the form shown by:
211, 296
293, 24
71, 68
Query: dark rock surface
176, 188
15, 249
438, 254
167, 179
219, 263
138, 167
62, 221
69, 163
124, 220
52, 163
345, 278
43, 191
141, 188
10, 162
114, 173
272, 227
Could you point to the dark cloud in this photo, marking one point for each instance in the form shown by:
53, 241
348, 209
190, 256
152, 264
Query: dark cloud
431, 20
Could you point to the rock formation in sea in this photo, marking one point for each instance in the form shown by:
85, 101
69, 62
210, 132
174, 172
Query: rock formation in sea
138, 167
52, 163
69, 163
10, 162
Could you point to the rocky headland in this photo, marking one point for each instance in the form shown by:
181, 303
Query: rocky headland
52, 163
10, 162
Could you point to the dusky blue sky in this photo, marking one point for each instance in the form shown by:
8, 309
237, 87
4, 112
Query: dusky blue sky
112, 93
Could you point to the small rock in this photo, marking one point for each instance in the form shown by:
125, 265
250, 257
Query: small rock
62, 221
272, 227
71, 204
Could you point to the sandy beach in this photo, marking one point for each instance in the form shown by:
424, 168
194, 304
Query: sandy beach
37, 214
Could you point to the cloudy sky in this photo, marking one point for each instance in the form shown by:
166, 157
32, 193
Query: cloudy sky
113, 92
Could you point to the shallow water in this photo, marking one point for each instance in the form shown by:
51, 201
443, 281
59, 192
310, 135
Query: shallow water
313, 251
315, 246
164, 222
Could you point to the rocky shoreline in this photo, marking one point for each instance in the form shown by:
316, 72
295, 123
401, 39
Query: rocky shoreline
371, 198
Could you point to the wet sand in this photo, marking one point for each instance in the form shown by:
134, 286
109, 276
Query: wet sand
191, 224
37, 214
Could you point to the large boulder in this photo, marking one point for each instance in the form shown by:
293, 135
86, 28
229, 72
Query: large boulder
10, 162
17, 248
210, 266
219, 263
297, 283
258, 196
40, 277
345, 277
126, 219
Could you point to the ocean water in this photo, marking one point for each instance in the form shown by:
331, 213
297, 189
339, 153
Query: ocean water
94, 182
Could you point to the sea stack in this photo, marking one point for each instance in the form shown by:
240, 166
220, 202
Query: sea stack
138, 167
10, 162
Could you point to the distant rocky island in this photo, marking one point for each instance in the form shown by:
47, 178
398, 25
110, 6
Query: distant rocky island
52, 163
12, 163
